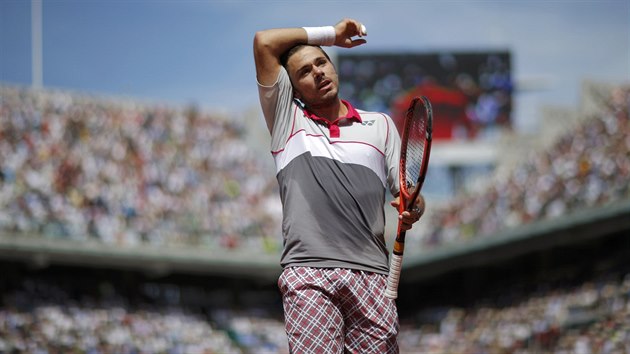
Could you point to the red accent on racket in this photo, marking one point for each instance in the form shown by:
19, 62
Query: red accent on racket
414, 161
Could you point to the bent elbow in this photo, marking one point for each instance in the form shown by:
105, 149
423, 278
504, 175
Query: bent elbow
262, 42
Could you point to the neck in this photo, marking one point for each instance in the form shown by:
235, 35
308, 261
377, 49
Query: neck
330, 111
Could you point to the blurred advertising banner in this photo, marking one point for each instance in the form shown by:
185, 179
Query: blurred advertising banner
471, 92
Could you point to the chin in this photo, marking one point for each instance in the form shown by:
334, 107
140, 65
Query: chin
326, 100
330, 96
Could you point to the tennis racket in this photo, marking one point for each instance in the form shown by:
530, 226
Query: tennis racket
414, 159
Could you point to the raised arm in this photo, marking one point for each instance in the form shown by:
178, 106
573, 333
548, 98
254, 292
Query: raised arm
269, 45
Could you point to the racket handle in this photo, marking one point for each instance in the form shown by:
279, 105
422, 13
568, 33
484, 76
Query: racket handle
394, 276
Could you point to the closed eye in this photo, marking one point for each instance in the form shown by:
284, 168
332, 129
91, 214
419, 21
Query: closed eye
321, 62
304, 71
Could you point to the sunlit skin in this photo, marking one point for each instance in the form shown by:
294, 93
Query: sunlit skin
315, 82
409, 217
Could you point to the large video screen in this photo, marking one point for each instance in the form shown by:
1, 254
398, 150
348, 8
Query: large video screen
471, 92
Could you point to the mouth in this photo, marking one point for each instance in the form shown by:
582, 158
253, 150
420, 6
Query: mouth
324, 84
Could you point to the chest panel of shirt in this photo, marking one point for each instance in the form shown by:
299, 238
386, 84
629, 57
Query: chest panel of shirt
360, 143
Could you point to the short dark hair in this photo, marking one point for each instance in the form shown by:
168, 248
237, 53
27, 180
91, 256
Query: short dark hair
284, 58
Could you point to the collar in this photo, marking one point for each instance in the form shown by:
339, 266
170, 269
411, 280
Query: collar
333, 127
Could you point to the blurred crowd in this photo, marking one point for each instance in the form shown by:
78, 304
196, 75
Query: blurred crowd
587, 167
591, 318
77, 329
41, 317
588, 318
124, 173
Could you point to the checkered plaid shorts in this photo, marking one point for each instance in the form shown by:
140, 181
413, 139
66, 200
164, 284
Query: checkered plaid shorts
333, 310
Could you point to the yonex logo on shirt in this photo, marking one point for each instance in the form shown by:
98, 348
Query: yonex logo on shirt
367, 122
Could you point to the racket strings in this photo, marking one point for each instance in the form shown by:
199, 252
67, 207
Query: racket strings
416, 142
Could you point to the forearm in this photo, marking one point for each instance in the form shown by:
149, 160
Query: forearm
269, 45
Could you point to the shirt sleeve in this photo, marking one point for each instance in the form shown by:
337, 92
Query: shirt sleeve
392, 157
278, 108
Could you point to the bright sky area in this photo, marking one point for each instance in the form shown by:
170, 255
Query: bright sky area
201, 51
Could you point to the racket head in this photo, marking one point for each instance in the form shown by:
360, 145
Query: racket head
415, 149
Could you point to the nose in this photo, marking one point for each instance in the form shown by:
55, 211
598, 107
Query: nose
317, 71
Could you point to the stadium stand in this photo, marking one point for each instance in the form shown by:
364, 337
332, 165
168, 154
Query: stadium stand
573, 299
130, 176
586, 167
122, 173
82, 310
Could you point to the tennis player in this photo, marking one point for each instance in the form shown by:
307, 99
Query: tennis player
333, 163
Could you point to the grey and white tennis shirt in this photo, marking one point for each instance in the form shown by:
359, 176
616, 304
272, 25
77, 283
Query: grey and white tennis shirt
333, 179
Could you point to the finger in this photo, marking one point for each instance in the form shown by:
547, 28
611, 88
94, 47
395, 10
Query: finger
356, 28
409, 218
405, 225
420, 203
417, 211
357, 42
351, 43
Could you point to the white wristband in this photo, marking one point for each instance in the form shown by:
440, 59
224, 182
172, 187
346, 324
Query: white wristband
321, 35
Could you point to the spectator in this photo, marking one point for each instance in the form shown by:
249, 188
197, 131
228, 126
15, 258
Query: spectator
127, 174
588, 167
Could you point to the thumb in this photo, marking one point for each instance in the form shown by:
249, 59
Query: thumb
351, 43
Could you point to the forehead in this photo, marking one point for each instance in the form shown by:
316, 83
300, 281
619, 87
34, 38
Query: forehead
305, 55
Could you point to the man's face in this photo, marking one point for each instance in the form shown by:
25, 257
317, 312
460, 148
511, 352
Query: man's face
313, 76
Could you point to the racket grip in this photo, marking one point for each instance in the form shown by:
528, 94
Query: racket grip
394, 276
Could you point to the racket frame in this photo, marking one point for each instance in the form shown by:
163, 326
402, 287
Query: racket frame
408, 200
